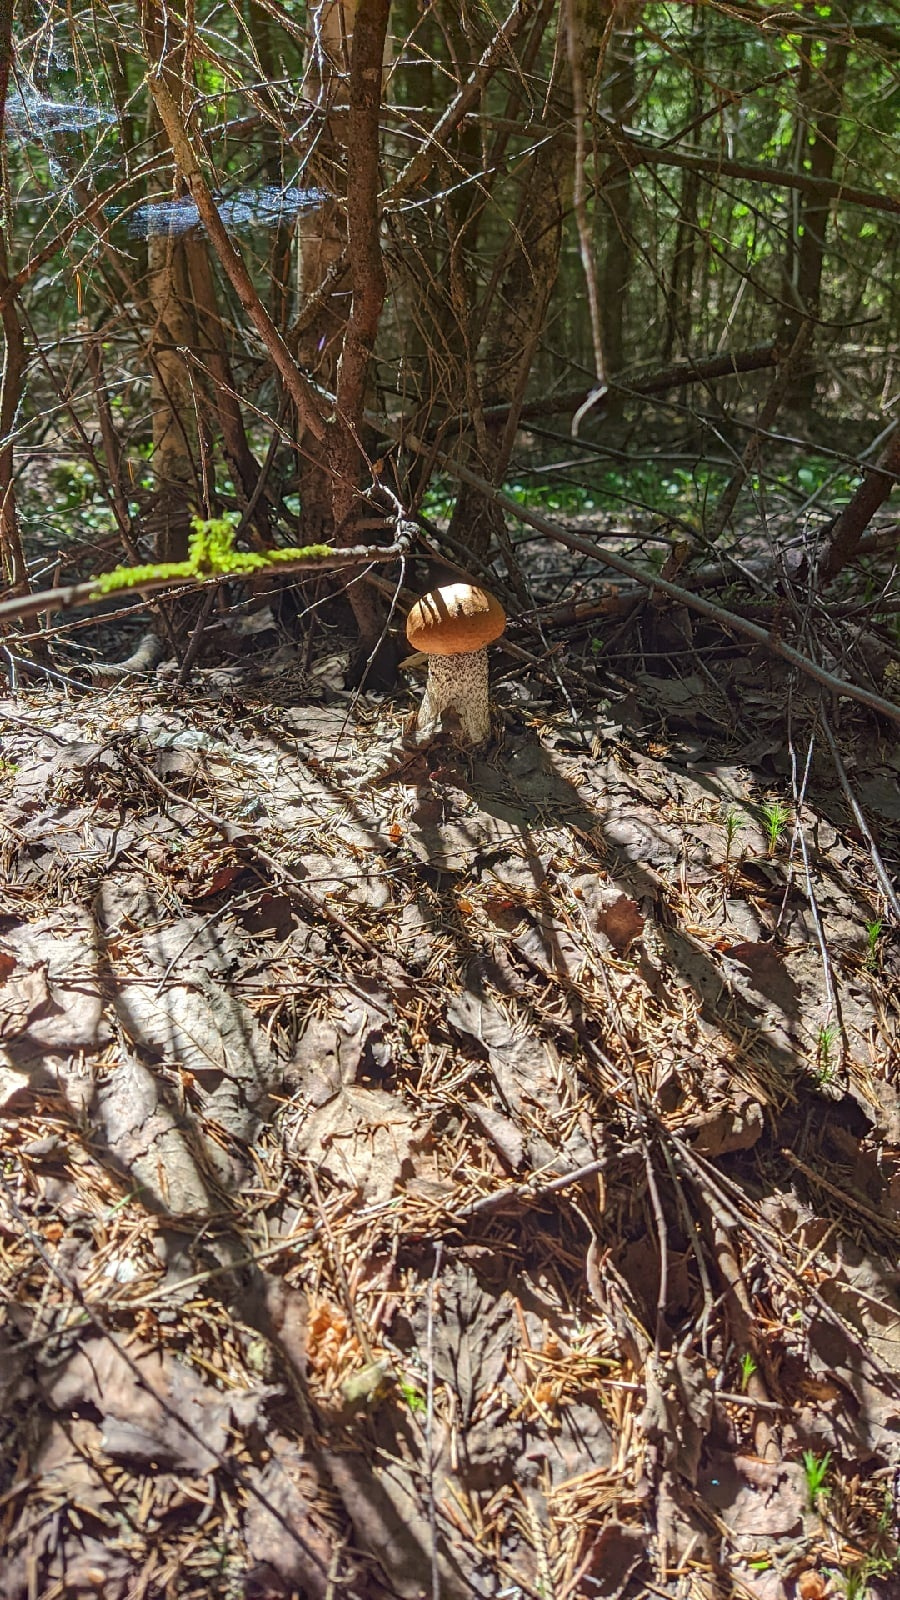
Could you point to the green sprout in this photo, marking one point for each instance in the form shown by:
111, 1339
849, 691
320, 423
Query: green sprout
815, 1471
829, 1035
874, 931
412, 1396
748, 1367
775, 819
855, 1583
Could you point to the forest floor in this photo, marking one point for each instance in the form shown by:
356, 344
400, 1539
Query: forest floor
432, 1175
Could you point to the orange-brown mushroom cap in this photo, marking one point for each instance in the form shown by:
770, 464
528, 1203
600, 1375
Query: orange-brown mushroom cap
454, 620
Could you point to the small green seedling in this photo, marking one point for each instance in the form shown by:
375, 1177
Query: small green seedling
815, 1471
748, 1367
775, 819
874, 931
829, 1034
412, 1396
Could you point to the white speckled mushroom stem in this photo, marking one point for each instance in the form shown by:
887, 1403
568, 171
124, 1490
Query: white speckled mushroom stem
460, 684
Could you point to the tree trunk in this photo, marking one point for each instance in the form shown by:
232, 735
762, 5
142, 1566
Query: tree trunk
817, 151
680, 298
175, 424
344, 75
225, 406
517, 312
618, 255
15, 571
323, 267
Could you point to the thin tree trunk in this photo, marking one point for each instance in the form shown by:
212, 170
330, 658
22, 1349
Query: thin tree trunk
679, 310
853, 521
345, 73
214, 355
618, 256
322, 250
519, 311
817, 154
15, 570
175, 429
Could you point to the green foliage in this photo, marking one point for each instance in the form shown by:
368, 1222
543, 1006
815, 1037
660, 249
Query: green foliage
412, 1396
829, 1035
748, 1367
874, 931
775, 820
655, 487
211, 553
815, 1471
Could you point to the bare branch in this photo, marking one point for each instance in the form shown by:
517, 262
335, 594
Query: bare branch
853, 521
298, 386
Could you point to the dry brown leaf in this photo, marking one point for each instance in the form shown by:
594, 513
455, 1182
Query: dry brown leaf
522, 1062
295, 1547
27, 995
362, 1139
155, 1409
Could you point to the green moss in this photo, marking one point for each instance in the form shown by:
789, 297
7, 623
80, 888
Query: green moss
211, 553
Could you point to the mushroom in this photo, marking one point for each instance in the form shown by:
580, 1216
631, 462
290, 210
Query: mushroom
453, 626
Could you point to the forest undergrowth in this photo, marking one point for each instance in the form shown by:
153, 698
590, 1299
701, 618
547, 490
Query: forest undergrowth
436, 1173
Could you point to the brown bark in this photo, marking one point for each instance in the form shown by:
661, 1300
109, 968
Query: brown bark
323, 263
349, 50
213, 353
853, 521
172, 329
363, 247
519, 310
15, 571
175, 432
296, 383
820, 117
679, 299
618, 255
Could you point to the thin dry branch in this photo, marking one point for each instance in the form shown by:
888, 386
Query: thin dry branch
635, 152
298, 386
492, 58
853, 521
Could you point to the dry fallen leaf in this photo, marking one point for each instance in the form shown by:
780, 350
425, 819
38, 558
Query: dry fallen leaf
362, 1139
154, 1408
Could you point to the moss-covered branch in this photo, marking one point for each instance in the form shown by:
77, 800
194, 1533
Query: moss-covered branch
212, 558
211, 554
